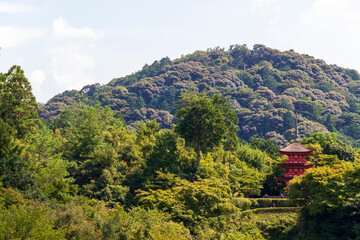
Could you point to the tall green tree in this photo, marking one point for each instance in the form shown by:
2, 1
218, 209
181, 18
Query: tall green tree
44, 155
100, 151
18, 106
164, 156
205, 121
240, 53
14, 168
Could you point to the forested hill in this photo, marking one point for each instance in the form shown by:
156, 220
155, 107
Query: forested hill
264, 86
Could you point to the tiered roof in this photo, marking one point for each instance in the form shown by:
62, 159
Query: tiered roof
301, 165
296, 147
296, 151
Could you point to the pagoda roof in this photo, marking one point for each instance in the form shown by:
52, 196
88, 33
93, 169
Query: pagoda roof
296, 147
295, 165
283, 178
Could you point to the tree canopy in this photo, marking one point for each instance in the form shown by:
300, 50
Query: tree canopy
18, 106
108, 162
205, 122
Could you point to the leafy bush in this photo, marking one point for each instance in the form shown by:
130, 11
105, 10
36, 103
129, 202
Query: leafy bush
278, 202
242, 203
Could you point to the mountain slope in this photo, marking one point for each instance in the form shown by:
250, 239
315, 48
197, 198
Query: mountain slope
264, 86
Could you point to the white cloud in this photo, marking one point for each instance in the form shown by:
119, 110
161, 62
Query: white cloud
6, 7
264, 5
337, 16
266, 16
62, 29
70, 66
71, 63
14, 36
37, 77
329, 29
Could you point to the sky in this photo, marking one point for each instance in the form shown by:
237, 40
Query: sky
64, 45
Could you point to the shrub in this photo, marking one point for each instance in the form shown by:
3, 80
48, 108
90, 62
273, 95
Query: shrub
242, 203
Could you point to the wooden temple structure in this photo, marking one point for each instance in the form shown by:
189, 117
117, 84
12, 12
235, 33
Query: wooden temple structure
296, 164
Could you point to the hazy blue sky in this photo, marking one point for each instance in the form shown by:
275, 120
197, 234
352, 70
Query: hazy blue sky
63, 45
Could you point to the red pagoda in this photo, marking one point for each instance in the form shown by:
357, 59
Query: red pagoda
296, 163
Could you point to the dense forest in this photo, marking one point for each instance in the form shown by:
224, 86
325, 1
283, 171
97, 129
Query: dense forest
265, 87
183, 149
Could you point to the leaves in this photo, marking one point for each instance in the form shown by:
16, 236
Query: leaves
205, 121
18, 106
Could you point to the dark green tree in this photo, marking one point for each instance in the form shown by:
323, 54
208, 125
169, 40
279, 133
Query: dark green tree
269, 146
18, 106
268, 78
289, 120
164, 156
285, 104
330, 123
309, 109
14, 170
205, 121
239, 53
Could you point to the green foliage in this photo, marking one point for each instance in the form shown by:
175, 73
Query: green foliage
89, 175
18, 106
331, 145
81, 219
242, 203
27, 222
330, 123
164, 156
258, 84
43, 152
146, 136
289, 120
9, 197
311, 110
353, 74
21, 220
205, 121
14, 168
279, 203
271, 210
253, 157
239, 53
326, 160
139, 224
268, 146
266, 223
100, 150
325, 87
271, 185
332, 201
190, 202
213, 168
268, 77
246, 180
169, 231
342, 150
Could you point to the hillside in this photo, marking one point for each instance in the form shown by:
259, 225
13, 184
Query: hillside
85, 174
264, 86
